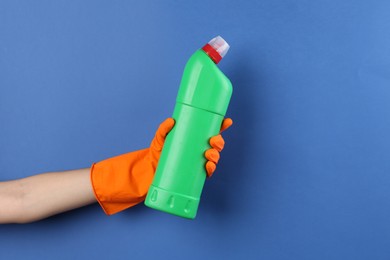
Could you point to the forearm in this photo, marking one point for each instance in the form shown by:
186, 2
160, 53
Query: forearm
44, 195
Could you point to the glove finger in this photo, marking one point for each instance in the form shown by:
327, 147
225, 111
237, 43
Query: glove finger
212, 155
226, 123
161, 133
217, 142
210, 168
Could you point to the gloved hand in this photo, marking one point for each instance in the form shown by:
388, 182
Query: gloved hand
217, 143
121, 182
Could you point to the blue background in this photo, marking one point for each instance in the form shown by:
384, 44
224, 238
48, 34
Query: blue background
305, 173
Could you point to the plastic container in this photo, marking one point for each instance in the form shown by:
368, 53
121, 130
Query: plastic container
201, 105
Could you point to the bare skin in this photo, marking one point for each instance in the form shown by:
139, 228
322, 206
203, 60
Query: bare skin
43, 195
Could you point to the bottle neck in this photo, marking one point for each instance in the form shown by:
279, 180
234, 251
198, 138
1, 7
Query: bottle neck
212, 53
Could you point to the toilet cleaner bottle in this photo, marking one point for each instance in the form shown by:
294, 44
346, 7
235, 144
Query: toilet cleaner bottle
201, 105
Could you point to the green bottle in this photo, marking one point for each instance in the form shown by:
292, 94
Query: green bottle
201, 105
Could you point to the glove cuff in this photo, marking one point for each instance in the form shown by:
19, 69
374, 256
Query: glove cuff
121, 182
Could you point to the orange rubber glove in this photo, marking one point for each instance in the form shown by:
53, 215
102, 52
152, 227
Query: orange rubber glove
217, 143
123, 181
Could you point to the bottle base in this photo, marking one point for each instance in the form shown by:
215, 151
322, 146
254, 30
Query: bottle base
171, 202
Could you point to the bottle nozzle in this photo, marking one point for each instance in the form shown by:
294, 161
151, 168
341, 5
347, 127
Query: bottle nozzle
216, 49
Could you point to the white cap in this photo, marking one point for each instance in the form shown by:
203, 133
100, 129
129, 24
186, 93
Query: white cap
220, 45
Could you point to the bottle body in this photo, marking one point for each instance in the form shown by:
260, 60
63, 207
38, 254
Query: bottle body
201, 105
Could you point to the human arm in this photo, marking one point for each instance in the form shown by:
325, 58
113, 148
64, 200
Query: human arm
43, 195
117, 183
